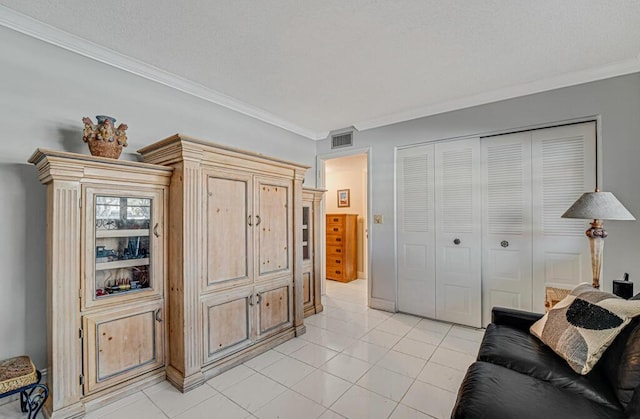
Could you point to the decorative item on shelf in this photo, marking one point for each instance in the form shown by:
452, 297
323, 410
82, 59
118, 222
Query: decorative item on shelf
104, 139
597, 206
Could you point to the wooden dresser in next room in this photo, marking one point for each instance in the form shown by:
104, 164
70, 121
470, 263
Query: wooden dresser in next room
342, 247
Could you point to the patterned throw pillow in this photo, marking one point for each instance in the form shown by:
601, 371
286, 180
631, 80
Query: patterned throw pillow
582, 326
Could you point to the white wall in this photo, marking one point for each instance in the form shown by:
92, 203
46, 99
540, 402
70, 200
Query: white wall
346, 173
44, 93
615, 101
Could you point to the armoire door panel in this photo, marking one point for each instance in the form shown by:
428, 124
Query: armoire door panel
307, 289
274, 306
229, 233
507, 222
458, 231
416, 231
564, 167
273, 212
227, 323
122, 336
120, 344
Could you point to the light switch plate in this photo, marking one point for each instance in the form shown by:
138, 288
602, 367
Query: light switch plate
377, 219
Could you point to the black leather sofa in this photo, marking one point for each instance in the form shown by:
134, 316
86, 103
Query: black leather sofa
516, 376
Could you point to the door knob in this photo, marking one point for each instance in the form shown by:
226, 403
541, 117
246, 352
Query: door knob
504, 243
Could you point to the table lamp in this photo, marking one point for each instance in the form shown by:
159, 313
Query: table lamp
597, 206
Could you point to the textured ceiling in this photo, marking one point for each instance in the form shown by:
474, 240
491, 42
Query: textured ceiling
325, 65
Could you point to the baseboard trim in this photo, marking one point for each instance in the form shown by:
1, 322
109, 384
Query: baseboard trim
380, 304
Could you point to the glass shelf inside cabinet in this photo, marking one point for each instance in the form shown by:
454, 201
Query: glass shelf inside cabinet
122, 245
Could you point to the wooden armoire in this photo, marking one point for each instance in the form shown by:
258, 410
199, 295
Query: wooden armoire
106, 282
235, 255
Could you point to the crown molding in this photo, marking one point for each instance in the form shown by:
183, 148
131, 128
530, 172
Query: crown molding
54, 36
565, 80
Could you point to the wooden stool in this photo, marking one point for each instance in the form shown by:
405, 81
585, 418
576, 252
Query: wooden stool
19, 375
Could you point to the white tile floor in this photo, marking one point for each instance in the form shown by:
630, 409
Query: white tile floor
353, 362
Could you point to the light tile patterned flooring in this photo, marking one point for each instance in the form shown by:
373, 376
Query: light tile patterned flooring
353, 362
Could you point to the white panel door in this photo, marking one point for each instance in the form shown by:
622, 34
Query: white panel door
506, 223
416, 232
563, 167
458, 231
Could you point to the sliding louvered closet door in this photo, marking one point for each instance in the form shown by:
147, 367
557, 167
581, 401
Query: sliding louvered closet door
458, 231
416, 231
563, 168
439, 231
479, 221
506, 226
529, 180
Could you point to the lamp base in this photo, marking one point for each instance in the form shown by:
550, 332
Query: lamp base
596, 235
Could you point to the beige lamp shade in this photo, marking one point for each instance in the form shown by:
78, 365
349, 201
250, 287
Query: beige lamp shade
598, 206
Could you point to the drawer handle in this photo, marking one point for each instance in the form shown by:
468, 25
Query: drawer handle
258, 220
258, 298
504, 243
251, 300
456, 241
338, 239
335, 229
338, 272
158, 318
249, 221
338, 250
338, 261
155, 230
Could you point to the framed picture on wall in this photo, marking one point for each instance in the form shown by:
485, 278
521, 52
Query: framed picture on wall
343, 198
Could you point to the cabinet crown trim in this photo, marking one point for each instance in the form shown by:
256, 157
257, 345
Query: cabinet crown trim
183, 145
53, 164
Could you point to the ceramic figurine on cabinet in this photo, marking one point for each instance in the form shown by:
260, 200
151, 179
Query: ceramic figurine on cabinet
104, 139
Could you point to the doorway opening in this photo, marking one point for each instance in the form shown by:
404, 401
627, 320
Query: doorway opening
346, 266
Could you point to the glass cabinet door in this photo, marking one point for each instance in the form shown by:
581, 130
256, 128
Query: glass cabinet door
306, 236
122, 246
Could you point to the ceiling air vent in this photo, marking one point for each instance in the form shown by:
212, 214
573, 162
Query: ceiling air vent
342, 140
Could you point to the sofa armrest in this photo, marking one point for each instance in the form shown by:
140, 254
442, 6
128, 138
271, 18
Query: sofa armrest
515, 318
